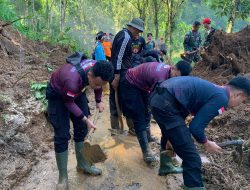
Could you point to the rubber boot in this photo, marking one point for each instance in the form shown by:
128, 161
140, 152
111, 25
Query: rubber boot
62, 162
194, 188
151, 138
114, 122
130, 126
82, 164
166, 165
148, 155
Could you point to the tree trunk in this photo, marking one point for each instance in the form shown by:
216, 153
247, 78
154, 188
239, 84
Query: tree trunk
33, 15
156, 20
47, 13
63, 13
232, 16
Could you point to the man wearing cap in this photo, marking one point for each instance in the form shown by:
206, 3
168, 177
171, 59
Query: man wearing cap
209, 32
136, 86
122, 61
178, 97
192, 43
138, 47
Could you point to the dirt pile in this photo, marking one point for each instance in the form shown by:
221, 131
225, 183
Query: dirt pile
24, 133
227, 56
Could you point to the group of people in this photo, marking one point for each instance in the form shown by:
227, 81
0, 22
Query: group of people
193, 41
167, 90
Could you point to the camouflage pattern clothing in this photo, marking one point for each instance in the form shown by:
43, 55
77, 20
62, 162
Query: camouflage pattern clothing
192, 42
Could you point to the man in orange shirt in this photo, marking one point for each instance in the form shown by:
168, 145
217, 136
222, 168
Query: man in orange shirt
107, 46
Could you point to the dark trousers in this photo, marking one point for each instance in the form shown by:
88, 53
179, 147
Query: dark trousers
60, 117
112, 105
173, 128
192, 58
134, 103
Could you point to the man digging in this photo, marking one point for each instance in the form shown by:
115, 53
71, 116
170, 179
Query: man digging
135, 87
66, 102
178, 97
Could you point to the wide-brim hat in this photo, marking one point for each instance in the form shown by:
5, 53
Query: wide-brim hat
137, 23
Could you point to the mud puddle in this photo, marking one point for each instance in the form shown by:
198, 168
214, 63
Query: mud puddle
123, 170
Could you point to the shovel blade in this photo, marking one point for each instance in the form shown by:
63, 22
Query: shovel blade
93, 153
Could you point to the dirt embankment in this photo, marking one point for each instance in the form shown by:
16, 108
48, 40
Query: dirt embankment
24, 134
227, 56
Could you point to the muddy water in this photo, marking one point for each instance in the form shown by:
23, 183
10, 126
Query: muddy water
123, 170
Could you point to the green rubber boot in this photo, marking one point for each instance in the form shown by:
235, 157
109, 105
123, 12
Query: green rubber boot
83, 165
62, 162
166, 165
194, 188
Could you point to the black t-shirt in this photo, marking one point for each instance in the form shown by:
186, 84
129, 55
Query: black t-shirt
138, 45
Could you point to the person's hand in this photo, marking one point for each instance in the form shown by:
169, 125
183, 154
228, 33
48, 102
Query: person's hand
115, 82
89, 123
100, 106
212, 147
187, 52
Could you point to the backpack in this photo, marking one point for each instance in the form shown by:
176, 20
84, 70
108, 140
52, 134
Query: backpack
75, 60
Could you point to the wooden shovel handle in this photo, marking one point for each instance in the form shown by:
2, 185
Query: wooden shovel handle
94, 121
118, 110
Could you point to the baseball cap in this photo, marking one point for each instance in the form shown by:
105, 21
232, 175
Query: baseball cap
206, 21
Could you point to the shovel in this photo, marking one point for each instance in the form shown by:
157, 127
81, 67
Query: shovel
93, 153
237, 143
119, 113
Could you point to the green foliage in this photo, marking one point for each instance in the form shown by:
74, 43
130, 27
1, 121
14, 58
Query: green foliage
84, 18
223, 7
38, 89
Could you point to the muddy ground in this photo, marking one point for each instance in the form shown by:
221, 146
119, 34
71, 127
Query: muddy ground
24, 133
26, 147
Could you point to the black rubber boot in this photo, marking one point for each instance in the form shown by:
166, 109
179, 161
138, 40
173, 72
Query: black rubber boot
194, 188
131, 128
114, 122
148, 155
62, 163
82, 164
166, 165
151, 138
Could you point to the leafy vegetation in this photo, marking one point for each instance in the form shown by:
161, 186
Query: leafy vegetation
75, 22
39, 91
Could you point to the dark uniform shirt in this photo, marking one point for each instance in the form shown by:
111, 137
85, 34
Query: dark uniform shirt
67, 82
192, 40
199, 97
122, 51
209, 37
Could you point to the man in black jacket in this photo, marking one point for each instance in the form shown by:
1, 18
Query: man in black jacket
209, 32
122, 60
